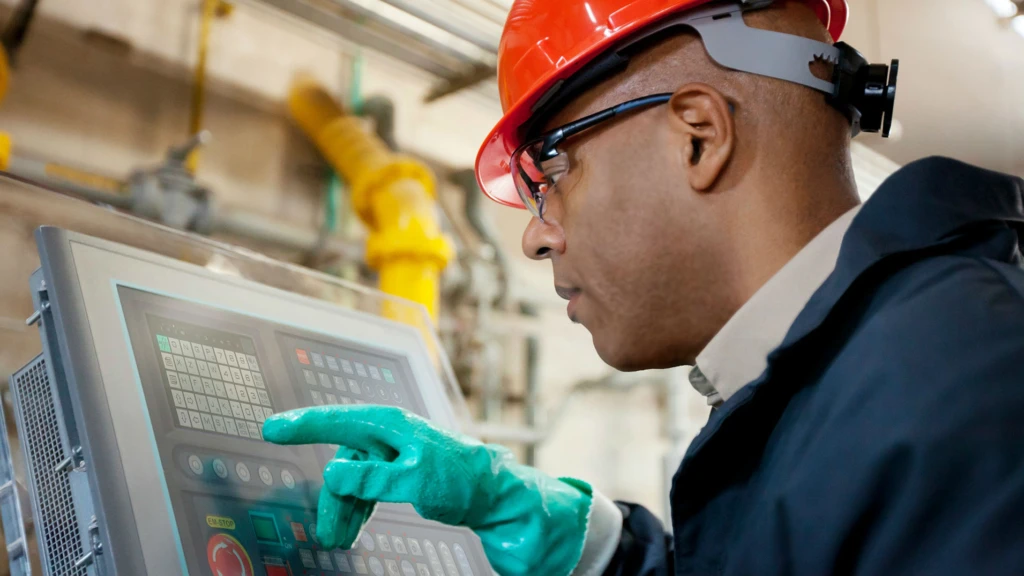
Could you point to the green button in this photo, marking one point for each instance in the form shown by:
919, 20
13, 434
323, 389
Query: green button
387, 375
164, 344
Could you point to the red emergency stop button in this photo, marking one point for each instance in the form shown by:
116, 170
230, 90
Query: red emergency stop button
227, 557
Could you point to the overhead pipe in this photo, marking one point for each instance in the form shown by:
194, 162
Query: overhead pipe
474, 210
395, 196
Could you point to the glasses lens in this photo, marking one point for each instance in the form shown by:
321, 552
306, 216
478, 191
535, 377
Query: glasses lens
531, 183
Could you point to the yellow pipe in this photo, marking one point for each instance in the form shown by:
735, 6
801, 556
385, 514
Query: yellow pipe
211, 9
394, 195
5, 72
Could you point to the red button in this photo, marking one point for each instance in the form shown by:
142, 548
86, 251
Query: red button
302, 356
278, 571
227, 557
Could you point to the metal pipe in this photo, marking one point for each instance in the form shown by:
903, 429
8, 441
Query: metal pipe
82, 183
532, 386
381, 110
267, 230
14, 32
447, 24
474, 209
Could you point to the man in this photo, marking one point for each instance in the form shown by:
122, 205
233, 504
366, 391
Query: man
866, 365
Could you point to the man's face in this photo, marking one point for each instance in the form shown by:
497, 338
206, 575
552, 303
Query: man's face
625, 237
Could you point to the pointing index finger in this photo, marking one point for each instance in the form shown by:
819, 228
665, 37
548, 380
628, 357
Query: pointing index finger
360, 427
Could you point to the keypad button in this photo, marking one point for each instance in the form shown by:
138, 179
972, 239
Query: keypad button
325, 380
374, 373
382, 541
309, 376
247, 378
264, 398
195, 419
214, 406
463, 560
225, 407
186, 348
247, 412
422, 569
332, 363
396, 396
345, 400
324, 559
331, 399
254, 431
179, 364
172, 380
208, 423
414, 547
299, 532
243, 429
243, 472
219, 468
252, 363
190, 400
204, 369
258, 412
242, 362
197, 383
219, 388
361, 369
359, 564
347, 366
191, 366
179, 398
388, 376
254, 397
218, 425
208, 353
367, 541
382, 393
236, 409
195, 465
265, 476
407, 568
201, 403
229, 425
231, 390
375, 567
232, 360
399, 545
197, 350
258, 380
168, 361
301, 356
208, 388
318, 360
219, 353
354, 387
317, 398
236, 376
307, 558
225, 373
341, 561
183, 418
287, 479
162, 342
175, 345
392, 568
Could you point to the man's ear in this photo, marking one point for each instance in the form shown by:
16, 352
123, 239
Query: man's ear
703, 121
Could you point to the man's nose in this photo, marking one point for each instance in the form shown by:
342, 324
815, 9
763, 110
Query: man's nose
542, 239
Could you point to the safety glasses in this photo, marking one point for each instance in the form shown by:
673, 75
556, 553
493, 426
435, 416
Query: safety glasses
539, 164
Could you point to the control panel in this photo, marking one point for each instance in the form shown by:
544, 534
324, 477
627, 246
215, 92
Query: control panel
210, 378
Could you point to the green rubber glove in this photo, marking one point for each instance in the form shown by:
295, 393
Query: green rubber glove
529, 523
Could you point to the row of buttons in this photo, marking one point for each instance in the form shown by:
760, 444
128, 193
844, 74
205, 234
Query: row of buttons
371, 391
332, 363
223, 390
196, 465
210, 353
201, 369
455, 565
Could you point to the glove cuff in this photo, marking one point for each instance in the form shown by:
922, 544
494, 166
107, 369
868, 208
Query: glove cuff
604, 529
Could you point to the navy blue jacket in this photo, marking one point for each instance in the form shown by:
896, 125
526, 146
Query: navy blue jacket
887, 434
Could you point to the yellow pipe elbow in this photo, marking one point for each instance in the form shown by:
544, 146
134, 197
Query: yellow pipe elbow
395, 197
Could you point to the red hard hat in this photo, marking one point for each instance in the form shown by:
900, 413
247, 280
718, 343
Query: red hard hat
547, 41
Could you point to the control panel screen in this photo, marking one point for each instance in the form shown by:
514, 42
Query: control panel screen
245, 507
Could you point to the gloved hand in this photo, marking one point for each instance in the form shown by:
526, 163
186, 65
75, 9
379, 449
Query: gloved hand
529, 523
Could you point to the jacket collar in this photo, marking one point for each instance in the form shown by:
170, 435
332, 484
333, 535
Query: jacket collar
923, 205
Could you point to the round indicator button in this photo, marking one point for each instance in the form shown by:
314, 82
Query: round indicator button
195, 464
408, 569
287, 479
376, 567
227, 556
243, 471
266, 476
397, 397
367, 541
220, 469
382, 392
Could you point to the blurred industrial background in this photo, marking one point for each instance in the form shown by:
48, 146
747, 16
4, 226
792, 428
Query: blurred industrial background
208, 116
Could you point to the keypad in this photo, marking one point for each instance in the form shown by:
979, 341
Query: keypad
214, 388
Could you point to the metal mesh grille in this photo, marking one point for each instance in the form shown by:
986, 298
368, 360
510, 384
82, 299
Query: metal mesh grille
55, 520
